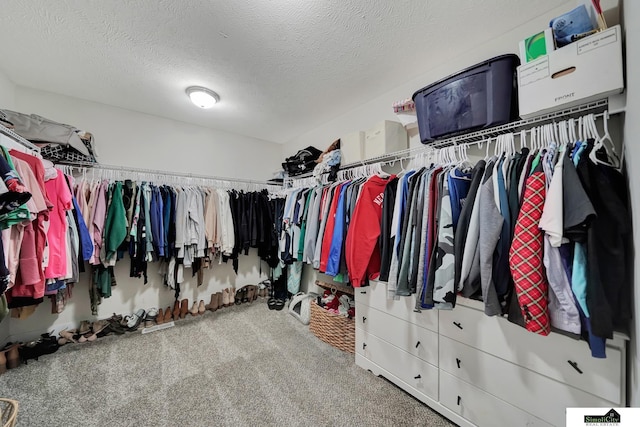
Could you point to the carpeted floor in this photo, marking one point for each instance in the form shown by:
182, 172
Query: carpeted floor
240, 366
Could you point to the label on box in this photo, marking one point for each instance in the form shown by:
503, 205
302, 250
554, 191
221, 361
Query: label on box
534, 71
597, 40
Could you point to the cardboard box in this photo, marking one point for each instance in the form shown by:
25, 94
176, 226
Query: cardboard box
385, 137
584, 71
352, 147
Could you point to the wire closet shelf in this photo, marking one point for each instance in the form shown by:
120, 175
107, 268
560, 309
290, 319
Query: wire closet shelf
11, 134
100, 171
472, 137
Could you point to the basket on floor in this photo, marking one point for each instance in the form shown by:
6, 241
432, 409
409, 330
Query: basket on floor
337, 331
8, 412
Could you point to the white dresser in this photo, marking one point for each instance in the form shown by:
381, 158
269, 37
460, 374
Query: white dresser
480, 370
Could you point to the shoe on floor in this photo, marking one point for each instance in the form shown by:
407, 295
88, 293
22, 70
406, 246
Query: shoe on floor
194, 309
201, 308
184, 308
167, 315
135, 319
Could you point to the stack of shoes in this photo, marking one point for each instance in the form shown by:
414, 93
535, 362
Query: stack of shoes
248, 293
114, 326
263, 288
9, 357
133, 322
46, 344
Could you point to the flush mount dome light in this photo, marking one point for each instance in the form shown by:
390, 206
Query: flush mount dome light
202, 97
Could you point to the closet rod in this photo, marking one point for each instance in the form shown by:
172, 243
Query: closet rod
11, 134
474, 137
92, 166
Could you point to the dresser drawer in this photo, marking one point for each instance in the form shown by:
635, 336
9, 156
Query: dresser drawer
480, 407
525, 389
415, 372
410, 337
555, 356
375, 296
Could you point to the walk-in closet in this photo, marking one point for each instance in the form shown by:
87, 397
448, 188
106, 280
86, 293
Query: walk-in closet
409, 213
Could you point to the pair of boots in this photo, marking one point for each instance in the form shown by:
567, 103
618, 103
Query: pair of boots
217, 301
180, 310
197, 309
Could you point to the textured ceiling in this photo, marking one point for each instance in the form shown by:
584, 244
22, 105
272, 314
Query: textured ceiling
281, 67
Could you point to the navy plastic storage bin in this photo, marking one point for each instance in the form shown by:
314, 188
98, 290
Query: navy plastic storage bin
478, 97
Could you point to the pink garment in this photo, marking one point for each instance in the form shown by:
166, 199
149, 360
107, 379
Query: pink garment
29, 280
30, 277
97, 224
82, 197
38, 171
60, 196
38, 202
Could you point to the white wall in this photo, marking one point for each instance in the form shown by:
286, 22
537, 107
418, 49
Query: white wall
7, 100
379, 108
632, 152
129, 138
7, 92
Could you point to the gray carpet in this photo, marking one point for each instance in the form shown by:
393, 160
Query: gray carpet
239, 366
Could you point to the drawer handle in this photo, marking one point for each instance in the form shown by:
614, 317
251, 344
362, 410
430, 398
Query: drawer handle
417, 377
458, 325
363, 292
364, 319
417, 344
364, 345
575, 366
458, 362
459, 399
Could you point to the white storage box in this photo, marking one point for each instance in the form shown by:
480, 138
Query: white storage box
584, 71
352, 147
385, 137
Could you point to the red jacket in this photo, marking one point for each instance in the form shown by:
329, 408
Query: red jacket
362, 249
328, 230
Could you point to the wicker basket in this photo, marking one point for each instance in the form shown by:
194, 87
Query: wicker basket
335, 330
8, 412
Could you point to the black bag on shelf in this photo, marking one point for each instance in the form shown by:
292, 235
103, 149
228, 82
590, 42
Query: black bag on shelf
303, 161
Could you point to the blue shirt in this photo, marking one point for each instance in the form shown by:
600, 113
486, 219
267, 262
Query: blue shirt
335, 250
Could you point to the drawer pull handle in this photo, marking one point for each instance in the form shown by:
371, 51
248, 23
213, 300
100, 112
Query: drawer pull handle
364, 319
575, 366
458, 362
458, 324
417, 344
363, 292
364, 345
459, 399
417, 377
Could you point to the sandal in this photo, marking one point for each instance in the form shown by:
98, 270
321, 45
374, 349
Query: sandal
241, 295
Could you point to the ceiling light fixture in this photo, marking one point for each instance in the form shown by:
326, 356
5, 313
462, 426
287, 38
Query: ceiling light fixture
202, 97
